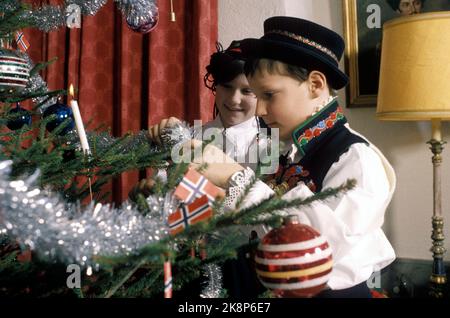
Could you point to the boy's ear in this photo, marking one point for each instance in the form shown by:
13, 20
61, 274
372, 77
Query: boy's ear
317, 83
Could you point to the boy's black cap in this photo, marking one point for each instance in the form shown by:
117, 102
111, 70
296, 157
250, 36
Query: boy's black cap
300, 42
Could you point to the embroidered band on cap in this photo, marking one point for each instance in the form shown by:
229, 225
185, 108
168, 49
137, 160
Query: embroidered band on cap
305, 41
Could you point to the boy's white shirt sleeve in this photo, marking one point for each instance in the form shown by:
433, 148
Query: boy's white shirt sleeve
351, 222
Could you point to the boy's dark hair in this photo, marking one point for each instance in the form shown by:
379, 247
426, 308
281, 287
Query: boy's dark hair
277, 67
224, 65
395, 3
273, 67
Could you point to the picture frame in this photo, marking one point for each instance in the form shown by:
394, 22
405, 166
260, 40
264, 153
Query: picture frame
363, 22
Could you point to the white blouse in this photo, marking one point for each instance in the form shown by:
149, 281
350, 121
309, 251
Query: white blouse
236, 140
351, 222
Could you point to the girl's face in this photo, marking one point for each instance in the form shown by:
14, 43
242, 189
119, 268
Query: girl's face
236, 101
283, 102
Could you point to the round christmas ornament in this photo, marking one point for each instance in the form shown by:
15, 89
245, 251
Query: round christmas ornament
21, 117
62, 112
293, 260
14, 72
141, 15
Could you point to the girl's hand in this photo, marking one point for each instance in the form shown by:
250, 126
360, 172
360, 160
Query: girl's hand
154, 131
143, 187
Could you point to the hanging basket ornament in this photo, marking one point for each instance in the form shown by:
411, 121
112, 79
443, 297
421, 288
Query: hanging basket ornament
293, 260
14, 72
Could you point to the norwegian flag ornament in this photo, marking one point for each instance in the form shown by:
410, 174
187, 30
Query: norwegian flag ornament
186, 215
22, 42
194, 185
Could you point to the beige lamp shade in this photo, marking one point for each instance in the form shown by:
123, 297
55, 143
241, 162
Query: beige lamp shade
415, 68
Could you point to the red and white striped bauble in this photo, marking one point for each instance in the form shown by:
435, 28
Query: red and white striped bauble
294, 260
14, 72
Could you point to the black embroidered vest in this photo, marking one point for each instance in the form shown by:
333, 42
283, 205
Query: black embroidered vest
321, 140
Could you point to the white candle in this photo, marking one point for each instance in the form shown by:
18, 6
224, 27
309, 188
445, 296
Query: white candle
79, 123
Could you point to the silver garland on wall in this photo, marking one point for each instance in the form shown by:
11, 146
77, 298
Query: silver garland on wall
138, 13
46, 18
89, 7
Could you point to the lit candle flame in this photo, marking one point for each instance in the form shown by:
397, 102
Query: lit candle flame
71, 92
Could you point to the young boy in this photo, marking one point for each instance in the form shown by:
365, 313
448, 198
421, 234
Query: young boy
293, 70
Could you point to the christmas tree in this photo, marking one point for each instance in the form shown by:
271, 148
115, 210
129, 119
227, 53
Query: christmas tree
56, 238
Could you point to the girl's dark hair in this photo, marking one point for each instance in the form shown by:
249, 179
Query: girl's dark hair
224, 65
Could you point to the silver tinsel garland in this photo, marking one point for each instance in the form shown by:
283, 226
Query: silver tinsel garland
46, 18
213, 287
36, 83
58, 231
51, 17
89, 7
9, 5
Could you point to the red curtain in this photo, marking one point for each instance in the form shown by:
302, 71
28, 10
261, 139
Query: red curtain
127, 80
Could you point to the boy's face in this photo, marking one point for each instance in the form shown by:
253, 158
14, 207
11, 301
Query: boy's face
236, 101
283, 102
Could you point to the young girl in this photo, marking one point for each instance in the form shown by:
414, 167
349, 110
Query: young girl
234, 107
234, 111
293, 70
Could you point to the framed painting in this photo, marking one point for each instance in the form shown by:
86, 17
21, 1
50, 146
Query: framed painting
363, 23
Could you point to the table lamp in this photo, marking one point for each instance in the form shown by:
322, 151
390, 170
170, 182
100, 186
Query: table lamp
415, 86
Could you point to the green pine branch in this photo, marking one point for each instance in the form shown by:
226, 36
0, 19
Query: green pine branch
12, 20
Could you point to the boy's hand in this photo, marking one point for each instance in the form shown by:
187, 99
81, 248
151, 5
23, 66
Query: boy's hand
154, 131
220, 167
143, 187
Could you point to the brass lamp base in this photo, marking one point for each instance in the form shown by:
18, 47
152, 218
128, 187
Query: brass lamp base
438, 277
